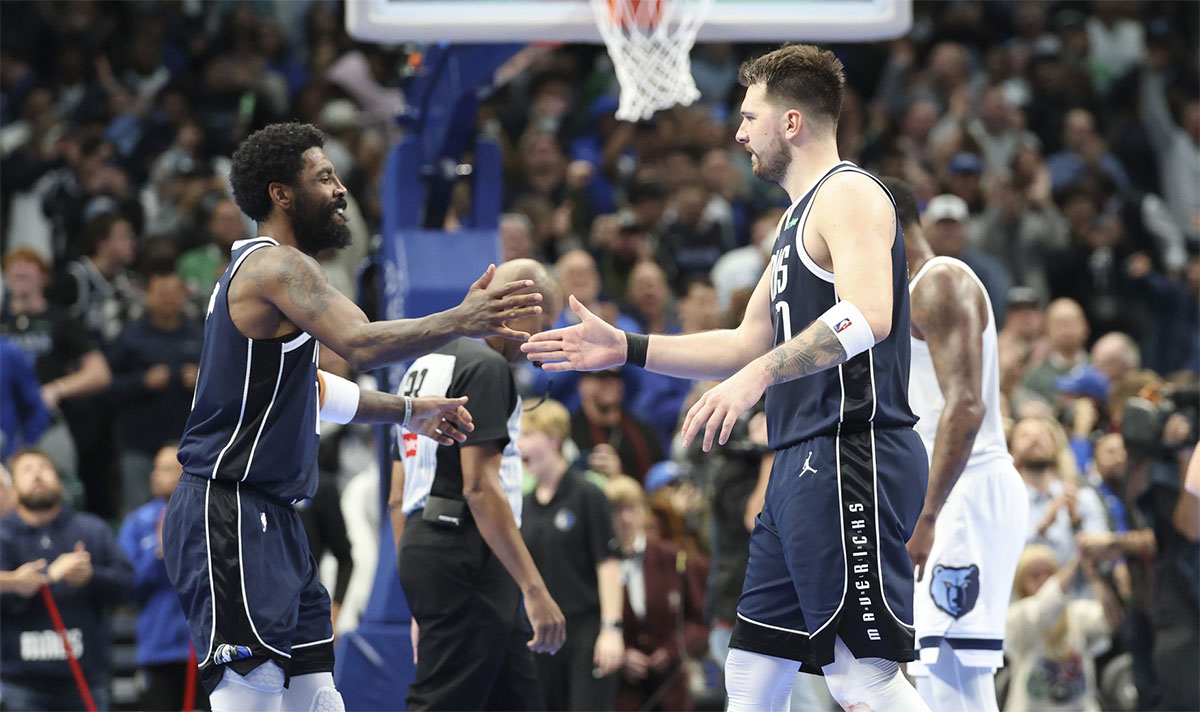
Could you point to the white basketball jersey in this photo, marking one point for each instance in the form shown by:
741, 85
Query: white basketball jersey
925, 395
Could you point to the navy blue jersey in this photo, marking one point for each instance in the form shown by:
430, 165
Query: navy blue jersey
254, 416
872, 387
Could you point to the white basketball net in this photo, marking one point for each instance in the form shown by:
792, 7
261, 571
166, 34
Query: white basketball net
649, 42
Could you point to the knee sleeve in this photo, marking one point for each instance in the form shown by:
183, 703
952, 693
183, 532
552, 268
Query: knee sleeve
755, 682
869, 684
260, 689
314, 692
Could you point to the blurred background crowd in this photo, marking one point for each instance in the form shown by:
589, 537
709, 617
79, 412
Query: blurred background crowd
1054, 147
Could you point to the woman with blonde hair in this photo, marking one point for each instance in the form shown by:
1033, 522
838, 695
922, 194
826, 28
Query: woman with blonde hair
567, 526
1051, 640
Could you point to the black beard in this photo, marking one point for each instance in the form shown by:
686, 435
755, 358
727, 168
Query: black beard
773, 163
317, 229
40, 501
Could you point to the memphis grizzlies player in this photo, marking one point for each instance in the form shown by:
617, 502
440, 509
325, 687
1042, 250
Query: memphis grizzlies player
234, 546
829, 584
972, 527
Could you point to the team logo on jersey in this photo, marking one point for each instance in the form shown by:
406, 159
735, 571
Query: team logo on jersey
807, 467
410, 444
792, 223
841, 326
226, 653
955, 589
564, 520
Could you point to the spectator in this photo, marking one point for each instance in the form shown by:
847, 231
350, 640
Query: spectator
567, 525
1083, 147
602, 420
1114, 355
1176, 143
664, 607
154, 362
1067, 332
99, 289
65, 360
23, 415
1050, 636
649, 299
742, 267
1059, 505
516, 237
164, 648
690, 239
628, 247
77, 556
945, 221
659, 399
200, 267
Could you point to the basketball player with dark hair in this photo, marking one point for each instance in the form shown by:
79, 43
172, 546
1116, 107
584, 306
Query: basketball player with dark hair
235, 549
972, 528
829, 583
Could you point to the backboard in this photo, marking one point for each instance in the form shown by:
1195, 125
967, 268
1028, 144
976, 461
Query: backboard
394, 21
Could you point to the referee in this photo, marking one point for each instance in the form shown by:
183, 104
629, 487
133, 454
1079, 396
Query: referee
456, 514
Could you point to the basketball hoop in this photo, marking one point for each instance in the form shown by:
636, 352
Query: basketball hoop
649, 42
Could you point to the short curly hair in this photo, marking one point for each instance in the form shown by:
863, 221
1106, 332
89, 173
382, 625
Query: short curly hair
271, 154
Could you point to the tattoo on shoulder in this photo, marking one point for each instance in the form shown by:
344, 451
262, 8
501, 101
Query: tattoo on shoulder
307, 290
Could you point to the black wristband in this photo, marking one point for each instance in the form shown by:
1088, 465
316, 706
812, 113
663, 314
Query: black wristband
636, 347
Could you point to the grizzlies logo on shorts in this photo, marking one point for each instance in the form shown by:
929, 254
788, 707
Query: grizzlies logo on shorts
955, 589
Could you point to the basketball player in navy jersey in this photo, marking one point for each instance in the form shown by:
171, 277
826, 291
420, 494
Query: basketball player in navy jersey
829, 584
234, 546
972, 528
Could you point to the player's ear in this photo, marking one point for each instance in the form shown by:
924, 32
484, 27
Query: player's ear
280, 194
793, 122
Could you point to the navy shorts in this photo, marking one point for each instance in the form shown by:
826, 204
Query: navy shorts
247, 581
827, 554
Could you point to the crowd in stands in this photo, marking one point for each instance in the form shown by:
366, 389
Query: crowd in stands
1053, 146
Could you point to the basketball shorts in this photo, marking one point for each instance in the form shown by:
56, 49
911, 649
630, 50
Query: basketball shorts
827, 554
241, 566
963, 596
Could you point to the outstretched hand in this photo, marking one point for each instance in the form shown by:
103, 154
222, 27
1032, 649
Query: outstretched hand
591, 345
719, 408
486, 312
443, 419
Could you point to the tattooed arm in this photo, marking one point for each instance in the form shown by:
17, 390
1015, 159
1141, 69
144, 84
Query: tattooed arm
812, 350
295, 284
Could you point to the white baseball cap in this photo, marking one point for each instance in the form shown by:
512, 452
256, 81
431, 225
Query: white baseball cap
947, 207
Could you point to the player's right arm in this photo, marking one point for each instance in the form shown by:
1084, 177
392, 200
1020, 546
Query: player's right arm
595, 345
948, 310
295, 284
494, 519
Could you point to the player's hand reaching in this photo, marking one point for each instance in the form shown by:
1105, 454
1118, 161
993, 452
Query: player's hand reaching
443, 419
590, 345
920, 543
549, 625
486, 312
719, 408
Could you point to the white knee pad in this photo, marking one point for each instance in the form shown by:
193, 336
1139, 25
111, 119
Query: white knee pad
314, 692
260, 689
869, 684
758, 683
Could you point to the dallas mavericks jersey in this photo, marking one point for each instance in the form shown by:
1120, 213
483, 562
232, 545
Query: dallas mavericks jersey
254, 415
925, 395
463, 367
869, 388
